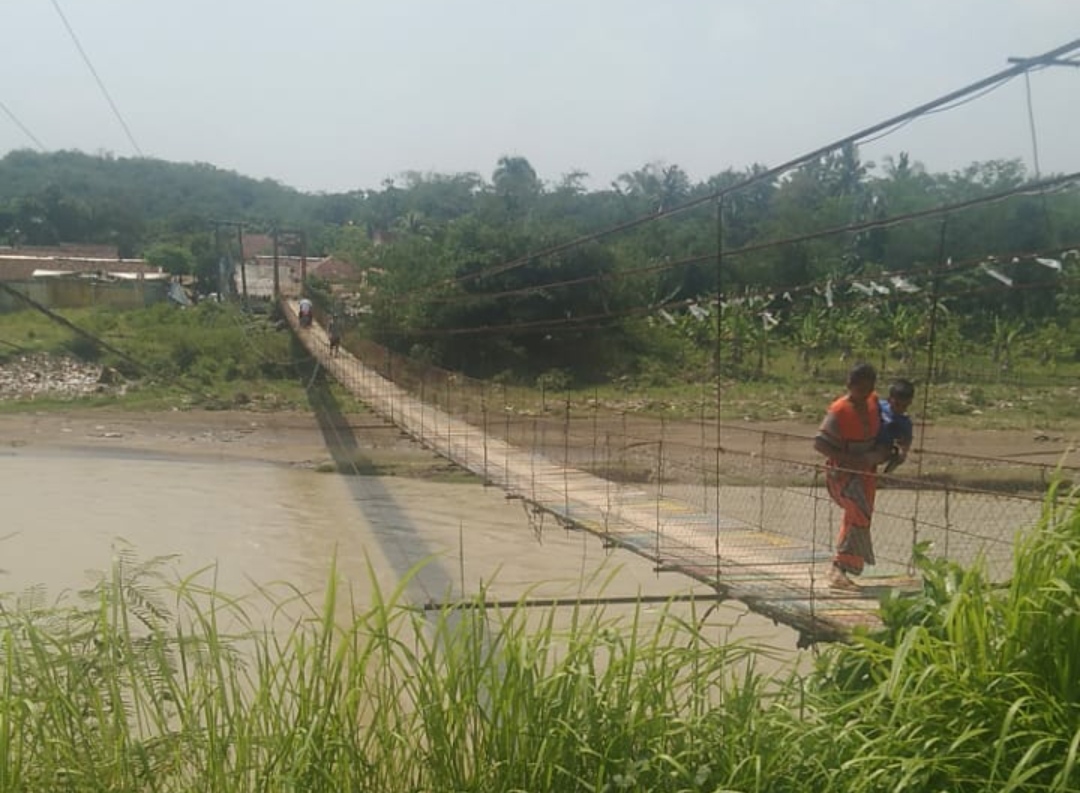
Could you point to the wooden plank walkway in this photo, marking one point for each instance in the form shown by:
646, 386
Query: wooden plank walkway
773, 574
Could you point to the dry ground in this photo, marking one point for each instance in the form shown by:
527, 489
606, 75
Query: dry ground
296, 438
288, 437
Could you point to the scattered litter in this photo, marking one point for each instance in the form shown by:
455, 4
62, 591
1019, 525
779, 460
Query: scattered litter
39, 374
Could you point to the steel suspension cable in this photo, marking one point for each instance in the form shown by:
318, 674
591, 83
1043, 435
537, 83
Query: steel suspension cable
773, 172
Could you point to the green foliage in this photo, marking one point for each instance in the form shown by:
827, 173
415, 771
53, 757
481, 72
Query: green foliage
971, 685
321, 293
210, 351
118, 195
83, 348
452, 270
172, 258
146, 684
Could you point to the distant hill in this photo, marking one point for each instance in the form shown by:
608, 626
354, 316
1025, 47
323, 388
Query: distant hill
75, 197
159, 187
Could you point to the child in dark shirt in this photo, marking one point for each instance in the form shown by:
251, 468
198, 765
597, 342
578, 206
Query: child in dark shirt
896, 434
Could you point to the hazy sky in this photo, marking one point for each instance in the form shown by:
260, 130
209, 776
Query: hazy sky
333, 95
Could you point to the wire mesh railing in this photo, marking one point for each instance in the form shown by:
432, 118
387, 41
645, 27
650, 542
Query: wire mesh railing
963, 506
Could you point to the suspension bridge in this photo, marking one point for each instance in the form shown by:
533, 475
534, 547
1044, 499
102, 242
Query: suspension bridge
773, 573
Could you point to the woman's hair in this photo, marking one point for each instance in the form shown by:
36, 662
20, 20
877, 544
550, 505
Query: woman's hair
862, 373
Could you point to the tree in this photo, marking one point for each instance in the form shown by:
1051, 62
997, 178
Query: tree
441, 197
516, 184
655, 187
173, 259
413, 223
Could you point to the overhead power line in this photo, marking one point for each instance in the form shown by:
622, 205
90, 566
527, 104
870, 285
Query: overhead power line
1033, 126
1035, 188
600, 319
942, 102
26, 131
943, 109
76, 329
97, 78
923, 271
597, 321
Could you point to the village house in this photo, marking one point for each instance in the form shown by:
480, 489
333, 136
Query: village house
74, 276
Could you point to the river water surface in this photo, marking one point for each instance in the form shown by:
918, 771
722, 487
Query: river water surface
67, 512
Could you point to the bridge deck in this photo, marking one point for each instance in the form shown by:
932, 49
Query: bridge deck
773, 574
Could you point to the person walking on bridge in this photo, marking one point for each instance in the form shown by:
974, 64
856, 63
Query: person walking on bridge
846, 439
306, 312
333, 333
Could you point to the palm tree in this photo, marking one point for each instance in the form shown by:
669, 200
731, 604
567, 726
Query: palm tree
659, 186
516, 182
413, 223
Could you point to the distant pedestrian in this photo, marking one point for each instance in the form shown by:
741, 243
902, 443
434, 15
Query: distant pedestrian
847, 439
334, 334
306, 312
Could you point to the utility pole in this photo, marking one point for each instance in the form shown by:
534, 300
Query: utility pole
277, 278
239, 226
217, 258
297, 238
1062, 56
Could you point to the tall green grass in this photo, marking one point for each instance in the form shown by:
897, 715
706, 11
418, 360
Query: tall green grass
121, 692
973, 686
147, 684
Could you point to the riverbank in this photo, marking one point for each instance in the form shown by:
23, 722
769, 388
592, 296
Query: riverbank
288, 437
295, 438
59, 400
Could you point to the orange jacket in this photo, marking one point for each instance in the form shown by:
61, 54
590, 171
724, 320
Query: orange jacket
848, 430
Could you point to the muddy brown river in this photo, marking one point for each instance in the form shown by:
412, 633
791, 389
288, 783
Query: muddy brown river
68, 511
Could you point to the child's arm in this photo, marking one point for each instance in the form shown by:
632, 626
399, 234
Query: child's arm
906, 436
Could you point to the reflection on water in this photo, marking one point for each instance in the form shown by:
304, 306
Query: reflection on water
64, 512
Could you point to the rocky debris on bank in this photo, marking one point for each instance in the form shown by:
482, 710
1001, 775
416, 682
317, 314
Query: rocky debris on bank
41, 375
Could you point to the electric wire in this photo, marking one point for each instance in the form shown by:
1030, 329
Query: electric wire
80, 331
776, 293
944, 109
1032, 125
953, 268
772, 291
978, 95
97, 78
771, 173
1038, 188
1057, 183
603, 320
26, 130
